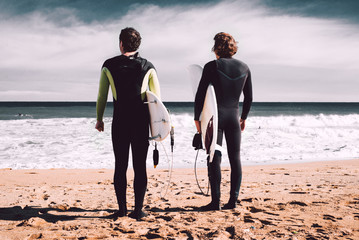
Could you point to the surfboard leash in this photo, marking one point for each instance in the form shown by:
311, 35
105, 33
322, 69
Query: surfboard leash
169, 173
195, 173
170, 161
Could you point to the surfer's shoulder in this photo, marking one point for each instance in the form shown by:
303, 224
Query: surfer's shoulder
146, 65
210, 65
113, 60
243, 64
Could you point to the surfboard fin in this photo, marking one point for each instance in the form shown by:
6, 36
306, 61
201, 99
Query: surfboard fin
155, 156
172, 134
208, 138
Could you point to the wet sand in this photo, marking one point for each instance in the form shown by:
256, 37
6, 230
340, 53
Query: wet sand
317, 200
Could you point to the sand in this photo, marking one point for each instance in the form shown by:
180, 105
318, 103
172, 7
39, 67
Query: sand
317, 200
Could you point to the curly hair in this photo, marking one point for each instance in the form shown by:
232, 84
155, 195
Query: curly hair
224, 45
131, 39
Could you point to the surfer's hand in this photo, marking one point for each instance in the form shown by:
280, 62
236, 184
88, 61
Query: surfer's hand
100, 126
198, 125
243, 124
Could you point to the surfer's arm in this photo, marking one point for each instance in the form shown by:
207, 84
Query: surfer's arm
150, 82
106, 80
102, 96
201, 91
242, 123
100, 126
153, 83
248, 97
198, 125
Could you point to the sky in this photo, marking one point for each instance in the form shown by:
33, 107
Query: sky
297, 50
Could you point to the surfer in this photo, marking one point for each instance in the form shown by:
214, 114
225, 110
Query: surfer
128, 75
229, 77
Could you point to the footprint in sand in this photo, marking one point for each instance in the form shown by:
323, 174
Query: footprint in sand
281, 206
248, 219
190, 219
354, 202
248, 199
123, 230
271, 213
315, 225
166, 218
298, 203
255, 210
35, 236
299, 192
150, 235
320, 203
266, 222
329, 217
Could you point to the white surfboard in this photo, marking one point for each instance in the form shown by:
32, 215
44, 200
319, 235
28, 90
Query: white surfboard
195, 74
209, 122
209, 115
160, 125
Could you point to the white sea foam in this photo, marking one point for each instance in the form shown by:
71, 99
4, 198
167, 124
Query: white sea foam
75, 143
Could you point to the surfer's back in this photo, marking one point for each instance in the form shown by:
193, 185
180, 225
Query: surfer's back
128, 76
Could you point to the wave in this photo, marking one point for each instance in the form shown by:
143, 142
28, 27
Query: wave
75, 143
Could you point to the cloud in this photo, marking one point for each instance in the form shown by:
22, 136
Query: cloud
57, 51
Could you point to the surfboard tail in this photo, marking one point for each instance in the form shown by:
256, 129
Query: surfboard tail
160, 125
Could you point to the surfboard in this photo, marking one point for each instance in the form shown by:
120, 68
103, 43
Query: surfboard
195, 74
160, 125
209, 115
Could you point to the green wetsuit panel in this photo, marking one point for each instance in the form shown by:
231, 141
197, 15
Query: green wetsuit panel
105, 81
150, 82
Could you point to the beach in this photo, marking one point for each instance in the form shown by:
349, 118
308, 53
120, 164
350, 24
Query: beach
318, 200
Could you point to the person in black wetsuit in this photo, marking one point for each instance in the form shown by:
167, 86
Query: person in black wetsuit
129, 76
229, 77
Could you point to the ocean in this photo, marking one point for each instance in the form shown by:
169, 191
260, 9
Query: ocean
62, 135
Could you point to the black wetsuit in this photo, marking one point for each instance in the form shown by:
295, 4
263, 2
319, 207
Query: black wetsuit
130, 125
229, 78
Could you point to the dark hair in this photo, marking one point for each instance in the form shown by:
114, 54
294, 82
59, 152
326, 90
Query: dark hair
224, 45
131, 39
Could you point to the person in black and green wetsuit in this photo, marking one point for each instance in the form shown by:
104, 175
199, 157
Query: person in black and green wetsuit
129, 76
229, 77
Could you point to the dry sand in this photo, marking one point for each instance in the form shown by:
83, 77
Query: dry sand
294, 201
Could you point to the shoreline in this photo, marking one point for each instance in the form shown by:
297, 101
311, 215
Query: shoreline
295, 200
224, 164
